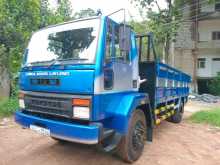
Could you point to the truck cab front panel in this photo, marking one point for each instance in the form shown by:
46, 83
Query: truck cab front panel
74, 81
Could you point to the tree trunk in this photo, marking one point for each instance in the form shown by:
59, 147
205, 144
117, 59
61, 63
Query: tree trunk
4, 83
167, 50
167, 42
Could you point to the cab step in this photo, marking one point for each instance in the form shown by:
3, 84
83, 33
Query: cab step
110, 141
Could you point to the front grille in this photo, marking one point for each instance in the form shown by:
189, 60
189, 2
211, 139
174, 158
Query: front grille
49, 105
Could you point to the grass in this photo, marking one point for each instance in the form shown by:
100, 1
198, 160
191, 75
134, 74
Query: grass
8, 107
211, 117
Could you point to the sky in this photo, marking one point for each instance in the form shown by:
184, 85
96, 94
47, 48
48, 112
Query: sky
109, 6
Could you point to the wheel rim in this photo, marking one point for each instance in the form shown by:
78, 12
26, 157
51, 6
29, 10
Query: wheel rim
138, 136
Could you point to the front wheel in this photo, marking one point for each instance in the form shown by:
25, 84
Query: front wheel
132, 144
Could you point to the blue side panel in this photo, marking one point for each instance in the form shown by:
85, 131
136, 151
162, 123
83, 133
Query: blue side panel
175, 83
114, 109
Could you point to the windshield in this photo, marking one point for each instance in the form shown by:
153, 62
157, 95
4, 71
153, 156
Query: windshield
72, 42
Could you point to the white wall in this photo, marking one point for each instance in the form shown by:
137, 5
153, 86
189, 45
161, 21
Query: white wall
211, 67
184, 36
206, 7
206, 28
209, 52
215, 68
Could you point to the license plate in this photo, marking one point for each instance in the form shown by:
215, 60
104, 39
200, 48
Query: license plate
40, 130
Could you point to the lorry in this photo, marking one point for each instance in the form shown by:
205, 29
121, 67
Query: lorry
95, 81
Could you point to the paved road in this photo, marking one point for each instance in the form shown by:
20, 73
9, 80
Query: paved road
174, 144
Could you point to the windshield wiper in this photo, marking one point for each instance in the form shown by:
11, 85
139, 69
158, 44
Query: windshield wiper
41, 62
80, 59
60, 60
54, 61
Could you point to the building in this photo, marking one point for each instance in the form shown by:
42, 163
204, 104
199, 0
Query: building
197, 46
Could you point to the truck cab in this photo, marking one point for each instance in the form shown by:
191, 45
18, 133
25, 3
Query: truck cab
84, 81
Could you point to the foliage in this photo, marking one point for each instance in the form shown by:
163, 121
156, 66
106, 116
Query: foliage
164, 23
3, 57
85, 13
214, 86
139, 27
8, 106
208, 117
18, 20
50, 16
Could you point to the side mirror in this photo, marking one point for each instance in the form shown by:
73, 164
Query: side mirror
124, 38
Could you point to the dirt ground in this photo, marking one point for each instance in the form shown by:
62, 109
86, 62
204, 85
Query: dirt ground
174, 144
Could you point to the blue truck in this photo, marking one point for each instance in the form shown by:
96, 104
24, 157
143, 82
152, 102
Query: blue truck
95, 81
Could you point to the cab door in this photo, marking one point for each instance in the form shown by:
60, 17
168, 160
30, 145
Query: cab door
117, 64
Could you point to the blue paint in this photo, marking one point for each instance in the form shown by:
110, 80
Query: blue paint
76, 82
86, 134
171, 74
114, 109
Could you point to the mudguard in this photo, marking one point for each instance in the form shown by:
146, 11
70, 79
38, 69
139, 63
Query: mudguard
122, 113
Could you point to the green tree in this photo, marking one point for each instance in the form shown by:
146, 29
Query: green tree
214, 86
85, 13
18, 19
49, 16
163, 23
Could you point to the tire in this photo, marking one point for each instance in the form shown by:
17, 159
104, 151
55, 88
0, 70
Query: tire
131, 145
178, 116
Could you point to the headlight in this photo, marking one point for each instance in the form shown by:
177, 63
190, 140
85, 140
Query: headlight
21, 103
81, 112
21, 100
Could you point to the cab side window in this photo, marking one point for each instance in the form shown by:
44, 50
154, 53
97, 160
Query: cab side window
113, 52
109, 43
120, 55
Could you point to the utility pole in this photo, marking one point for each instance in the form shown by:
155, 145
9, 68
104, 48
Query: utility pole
195, 50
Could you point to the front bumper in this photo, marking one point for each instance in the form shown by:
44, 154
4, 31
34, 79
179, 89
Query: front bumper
86, 134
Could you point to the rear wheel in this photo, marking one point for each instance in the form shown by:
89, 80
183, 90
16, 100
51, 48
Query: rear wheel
132, 144
178, 116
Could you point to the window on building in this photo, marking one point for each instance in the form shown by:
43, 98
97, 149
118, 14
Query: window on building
201, 63
217, 5
216, 59
216, 35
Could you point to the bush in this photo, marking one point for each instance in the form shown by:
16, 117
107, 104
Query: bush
8, 106
209, 117
214, 86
